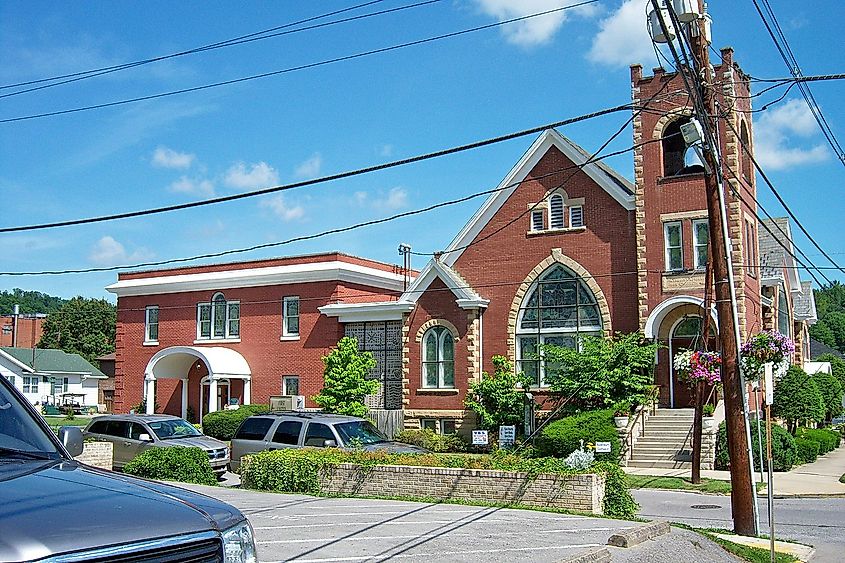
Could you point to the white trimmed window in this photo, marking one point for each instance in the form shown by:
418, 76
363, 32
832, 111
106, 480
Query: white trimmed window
438, 425
576, 216
218, 319
438, 353
59, 385
556, 211
290, 316
537, 220
151, 324
30, 384
673, 244
700, 239
290, 385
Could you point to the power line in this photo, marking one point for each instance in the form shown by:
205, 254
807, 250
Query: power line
321, 180
788, 57
297, 68
257, 36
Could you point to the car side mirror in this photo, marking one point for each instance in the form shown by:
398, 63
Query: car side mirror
71, 438
144, 437
329, 444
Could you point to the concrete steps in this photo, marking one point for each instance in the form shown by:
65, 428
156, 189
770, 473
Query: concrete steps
665, 442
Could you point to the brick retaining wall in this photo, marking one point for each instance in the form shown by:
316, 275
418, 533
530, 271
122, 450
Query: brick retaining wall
98, 454
583, 493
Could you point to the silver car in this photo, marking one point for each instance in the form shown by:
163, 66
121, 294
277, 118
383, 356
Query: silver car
131, 434
276, 431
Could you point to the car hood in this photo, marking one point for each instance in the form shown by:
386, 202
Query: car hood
204, 442
396, 448
54, 507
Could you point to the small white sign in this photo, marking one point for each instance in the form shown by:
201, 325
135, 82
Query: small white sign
602, 447
507, 435
769, 383
479, 438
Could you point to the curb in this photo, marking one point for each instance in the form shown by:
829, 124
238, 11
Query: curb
638, 535
601, 555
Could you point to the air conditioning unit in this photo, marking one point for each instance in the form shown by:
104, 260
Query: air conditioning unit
287, 403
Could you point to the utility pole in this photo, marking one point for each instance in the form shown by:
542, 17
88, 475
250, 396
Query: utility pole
743, 502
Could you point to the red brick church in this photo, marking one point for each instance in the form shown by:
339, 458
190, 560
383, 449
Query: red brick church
564, 248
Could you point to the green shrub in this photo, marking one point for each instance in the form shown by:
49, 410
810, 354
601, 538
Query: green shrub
784, 454
831, 391
806, 450
828, 440
562, 437
186, 465
223, 424
431, 440
298, 470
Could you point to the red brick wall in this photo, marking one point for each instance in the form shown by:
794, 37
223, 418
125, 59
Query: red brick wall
29, 331
498, 265
438, 302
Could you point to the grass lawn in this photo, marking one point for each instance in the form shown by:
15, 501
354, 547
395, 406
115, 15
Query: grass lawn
57, 422
753, 554
677, 483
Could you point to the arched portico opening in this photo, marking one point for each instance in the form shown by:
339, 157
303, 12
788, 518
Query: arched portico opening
222, 366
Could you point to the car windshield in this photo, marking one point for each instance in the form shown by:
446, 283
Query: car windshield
20, 436
172, 429
359, 432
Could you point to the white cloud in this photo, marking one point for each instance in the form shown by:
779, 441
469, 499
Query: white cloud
774, 131
164, 157
360, 197
623, 37
282, 209
396, 198
533, 31
250, 177
310, 168
385, 150
185, 185
109, 252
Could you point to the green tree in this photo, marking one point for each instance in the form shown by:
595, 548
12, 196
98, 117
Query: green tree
821, 332
498, 399
831, 391
30, 302
837, 366
81, 326
798, 399
836, 322
345, 379
604, 372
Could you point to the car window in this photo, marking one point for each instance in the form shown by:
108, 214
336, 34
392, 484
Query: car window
254, 428
359, 432
317, 434
99, 427
19, 433
135, 431
117, 428
288, 432
173, 428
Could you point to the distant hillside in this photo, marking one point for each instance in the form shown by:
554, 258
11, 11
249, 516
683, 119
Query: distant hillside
29, 301
830, 307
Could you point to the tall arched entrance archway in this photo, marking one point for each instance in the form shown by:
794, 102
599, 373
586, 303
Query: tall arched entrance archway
221, 365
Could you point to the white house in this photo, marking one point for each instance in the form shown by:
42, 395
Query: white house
44, 375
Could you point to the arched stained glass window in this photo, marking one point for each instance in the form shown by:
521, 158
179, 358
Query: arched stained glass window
438, 358
557, 308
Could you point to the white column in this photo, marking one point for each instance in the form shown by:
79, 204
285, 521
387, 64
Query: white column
247, 399
185, 398
212, 394
150, 396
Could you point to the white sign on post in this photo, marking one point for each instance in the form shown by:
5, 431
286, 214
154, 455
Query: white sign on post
769, 383
479, 438
507, 435
602, 447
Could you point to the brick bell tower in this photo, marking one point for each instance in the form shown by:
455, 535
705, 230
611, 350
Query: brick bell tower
671, 206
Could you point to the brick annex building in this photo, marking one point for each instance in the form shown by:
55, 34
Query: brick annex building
563, 248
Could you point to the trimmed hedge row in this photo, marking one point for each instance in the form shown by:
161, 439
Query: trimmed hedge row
223, 424
186, 465
828, 440
784, 451
806, 450
431, 440
298, 470
562, 437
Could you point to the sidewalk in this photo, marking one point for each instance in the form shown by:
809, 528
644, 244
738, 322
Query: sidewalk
820, 478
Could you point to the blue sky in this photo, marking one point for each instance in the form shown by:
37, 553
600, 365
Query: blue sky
344, 116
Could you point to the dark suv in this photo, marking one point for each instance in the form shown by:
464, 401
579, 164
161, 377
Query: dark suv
57, 510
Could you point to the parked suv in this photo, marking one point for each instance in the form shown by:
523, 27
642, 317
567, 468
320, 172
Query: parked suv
277, 431
54, 509
132, 434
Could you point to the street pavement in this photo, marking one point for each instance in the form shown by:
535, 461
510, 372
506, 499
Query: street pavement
814, 521
313, 529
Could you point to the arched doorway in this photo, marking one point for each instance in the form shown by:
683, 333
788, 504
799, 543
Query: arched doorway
685, 334
224, 394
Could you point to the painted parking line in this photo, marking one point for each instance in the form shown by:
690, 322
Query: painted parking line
440, 554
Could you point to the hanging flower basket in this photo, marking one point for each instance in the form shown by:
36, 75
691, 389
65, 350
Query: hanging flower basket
766, 347
695, 366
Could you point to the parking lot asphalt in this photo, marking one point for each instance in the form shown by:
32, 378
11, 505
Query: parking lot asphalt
313, 529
